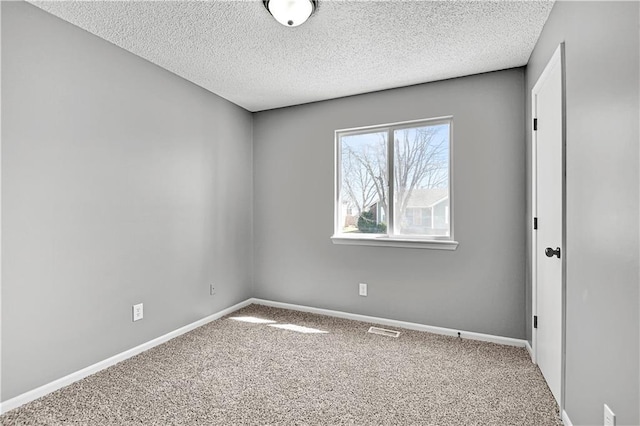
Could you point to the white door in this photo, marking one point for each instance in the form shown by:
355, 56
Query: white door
548, 252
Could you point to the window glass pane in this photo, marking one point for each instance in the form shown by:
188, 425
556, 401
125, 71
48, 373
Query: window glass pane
363, 186
421, 180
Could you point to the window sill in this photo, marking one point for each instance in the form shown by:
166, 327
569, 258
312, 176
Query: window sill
385, 241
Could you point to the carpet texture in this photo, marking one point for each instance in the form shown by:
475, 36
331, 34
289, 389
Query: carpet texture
232, 372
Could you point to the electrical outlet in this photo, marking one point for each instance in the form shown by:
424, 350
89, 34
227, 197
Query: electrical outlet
363, 289
138, 312
609, 417
212, 289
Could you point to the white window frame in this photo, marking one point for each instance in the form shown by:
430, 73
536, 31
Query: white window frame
389, 239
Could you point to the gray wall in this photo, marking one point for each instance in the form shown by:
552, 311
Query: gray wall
479, 287
121, 183
602, 321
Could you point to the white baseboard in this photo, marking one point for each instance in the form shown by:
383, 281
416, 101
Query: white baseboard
394, 323
565, 419
530, 350
43, 390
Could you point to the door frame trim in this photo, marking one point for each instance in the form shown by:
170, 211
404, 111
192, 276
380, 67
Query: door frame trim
557, 57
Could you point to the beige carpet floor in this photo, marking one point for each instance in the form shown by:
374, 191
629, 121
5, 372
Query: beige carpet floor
233, 372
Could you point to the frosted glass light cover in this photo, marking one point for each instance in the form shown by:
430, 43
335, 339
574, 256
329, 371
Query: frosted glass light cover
290, 13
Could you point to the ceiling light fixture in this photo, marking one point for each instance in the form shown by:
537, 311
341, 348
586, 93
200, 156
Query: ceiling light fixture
291, 13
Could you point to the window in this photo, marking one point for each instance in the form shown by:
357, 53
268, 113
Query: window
393, 185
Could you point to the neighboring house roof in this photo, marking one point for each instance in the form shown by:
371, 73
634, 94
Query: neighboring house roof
420, 198
427, 197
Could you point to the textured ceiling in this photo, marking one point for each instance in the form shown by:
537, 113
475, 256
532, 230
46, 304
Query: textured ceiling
238, 51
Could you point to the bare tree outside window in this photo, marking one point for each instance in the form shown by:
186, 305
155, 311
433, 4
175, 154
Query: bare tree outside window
421, 168
363, 165
420, 176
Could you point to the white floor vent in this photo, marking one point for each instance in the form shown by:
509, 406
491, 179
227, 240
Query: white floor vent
384, 332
